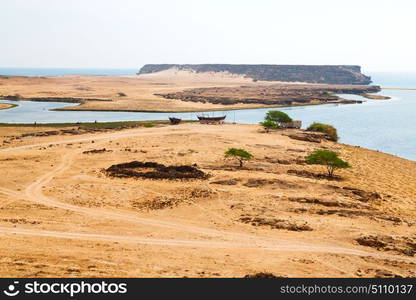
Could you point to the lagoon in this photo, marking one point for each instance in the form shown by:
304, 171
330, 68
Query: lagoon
385, 125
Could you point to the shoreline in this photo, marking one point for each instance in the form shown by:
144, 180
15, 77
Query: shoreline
375, 97
203, 92
4, 106
102, 125
124, 125
232, 108
341, 101
399, 88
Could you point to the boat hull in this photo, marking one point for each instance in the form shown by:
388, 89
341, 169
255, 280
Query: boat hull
211, 120
175, 121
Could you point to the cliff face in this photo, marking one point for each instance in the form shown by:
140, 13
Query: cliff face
336, 74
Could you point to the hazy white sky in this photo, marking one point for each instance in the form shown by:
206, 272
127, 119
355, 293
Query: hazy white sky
379, 35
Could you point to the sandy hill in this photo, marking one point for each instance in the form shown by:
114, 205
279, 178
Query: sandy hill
63, 214
328, 74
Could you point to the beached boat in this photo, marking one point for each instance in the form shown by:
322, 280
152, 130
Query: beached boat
175, 121
211, 120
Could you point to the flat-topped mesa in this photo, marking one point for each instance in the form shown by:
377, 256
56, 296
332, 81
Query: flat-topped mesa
329, 74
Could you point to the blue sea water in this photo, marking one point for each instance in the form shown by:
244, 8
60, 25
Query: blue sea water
394, 79
64, 71
384, 125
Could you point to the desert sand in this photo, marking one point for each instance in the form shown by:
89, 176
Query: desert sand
62, 215
148, 92
5, 106
138, 90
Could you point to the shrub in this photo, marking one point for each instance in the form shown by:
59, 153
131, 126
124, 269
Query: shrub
239, 154
329, 130
269, 124
277, 116
327, 158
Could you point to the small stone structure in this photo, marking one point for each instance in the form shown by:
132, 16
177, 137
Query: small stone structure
294, 124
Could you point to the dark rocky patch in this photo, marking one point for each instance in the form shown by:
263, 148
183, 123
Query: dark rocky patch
52, 99
386, 274
399, 244
279, 95
358, 213
43, 133
257, 182
307, 174
307, 137
94, 151
20, 221
296, 150
378, 273
275, 223
53, 133
155, 171
327, 203
357, 194
158, 203
226, 182
362, 195
371, 241
263, 182
185, 195
297, 161
262, 275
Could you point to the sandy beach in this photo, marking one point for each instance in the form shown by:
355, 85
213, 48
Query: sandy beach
6, 106
152, 92
139, 91
62, 215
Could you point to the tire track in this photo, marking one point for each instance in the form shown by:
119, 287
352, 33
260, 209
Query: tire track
34, 193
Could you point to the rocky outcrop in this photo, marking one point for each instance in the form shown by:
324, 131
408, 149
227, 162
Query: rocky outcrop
400, 244
153, 170
275, 223
277, 94
330, 74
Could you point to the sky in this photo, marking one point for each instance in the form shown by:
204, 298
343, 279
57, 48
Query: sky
378, 35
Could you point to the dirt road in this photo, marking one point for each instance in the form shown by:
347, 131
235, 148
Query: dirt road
223, 239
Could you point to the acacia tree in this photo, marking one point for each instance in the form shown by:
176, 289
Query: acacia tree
327, 158
269, 124
273, 119
277, 116
329, 130
240, 155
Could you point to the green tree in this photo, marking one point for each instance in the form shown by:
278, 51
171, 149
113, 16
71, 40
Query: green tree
239, 154
329, 130
277, 116
269, 124
327, 158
